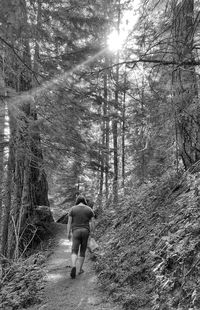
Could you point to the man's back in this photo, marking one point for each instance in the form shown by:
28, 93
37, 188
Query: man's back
81, 216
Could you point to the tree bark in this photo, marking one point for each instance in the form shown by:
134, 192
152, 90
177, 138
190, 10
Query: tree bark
2, 143
37, 38
115, 120
101, 157
8, 194
30, 188
115, 142
123, 131
107, 131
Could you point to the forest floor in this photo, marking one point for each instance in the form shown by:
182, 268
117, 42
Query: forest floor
60, 291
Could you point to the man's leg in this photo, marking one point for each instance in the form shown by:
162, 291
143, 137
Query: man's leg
73, 270
83, 247
74, 259
74, 256
81, 262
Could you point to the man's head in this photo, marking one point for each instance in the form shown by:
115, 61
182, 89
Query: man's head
81, 199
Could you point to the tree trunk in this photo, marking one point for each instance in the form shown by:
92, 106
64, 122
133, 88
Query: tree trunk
30, 184
107, 129
2, 143
8, 193
115, 120
185, 84
115, 145
123, 131
7, 209
101, 157
37, 39
25, 207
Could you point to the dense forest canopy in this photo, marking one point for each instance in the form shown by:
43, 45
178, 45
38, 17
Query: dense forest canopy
96, 97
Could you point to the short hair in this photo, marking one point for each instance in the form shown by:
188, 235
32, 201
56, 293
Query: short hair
81, 199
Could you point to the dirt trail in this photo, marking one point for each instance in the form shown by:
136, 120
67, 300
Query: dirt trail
61, 292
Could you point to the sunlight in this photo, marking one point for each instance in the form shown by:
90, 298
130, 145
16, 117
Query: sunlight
54, 277
117, 39
115, 42
66, 242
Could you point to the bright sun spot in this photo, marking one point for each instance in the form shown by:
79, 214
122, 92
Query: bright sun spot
116, 40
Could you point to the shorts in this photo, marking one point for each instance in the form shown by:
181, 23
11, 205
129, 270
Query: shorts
79, 240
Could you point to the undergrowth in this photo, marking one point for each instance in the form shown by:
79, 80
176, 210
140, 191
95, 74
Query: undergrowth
21, 282
149, 246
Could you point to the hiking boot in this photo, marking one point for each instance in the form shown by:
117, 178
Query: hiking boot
73, 273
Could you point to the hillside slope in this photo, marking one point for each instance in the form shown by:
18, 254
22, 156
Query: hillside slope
150, 246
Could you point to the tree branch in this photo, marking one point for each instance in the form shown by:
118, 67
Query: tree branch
19, 57
161, 62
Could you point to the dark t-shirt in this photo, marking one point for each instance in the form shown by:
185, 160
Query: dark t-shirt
81, 216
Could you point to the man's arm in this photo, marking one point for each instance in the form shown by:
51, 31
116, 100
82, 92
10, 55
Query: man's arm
92, 226
69, 226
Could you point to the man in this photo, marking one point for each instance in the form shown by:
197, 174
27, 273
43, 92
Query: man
81, 222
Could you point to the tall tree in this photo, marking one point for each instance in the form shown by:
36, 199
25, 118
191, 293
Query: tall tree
2, 140
185, 82
30, 185
115, 120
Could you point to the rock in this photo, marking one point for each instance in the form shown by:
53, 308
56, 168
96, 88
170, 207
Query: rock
43, 214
